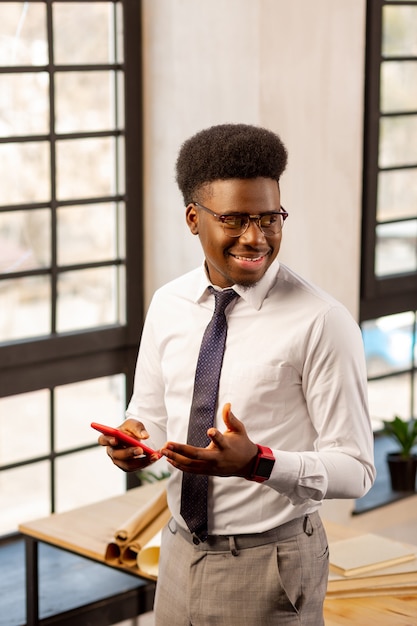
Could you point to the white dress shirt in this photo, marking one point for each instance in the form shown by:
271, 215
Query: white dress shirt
294, 373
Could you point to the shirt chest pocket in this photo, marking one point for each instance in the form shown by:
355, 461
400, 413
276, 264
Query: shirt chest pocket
259, 387
270, 374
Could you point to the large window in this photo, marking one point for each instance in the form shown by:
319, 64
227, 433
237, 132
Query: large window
389, 286
70, 246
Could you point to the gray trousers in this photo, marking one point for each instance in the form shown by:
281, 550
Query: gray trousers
230, 582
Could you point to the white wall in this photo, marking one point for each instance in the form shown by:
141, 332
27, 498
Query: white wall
295, 67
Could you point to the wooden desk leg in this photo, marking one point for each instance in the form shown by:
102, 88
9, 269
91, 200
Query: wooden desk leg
32, 581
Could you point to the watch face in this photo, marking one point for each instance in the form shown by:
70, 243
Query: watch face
264, 467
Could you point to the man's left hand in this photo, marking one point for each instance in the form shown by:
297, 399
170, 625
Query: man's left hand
230, 453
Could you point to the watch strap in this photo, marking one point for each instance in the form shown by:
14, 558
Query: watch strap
263, 465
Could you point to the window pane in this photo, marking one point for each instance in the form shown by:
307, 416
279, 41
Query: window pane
23, 33
398, 140
397, 194
79, 238
24, 426
415, 402
101, 400
86, 477
24, 495
85, 101
26, 308
389, 397
90, 24
24, 105
86, 168
388, 343
399, 86
88, 298
396, 248
24, 172
399, 31
24, 240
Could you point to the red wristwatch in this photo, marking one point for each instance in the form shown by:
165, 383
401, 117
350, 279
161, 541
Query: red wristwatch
263, 465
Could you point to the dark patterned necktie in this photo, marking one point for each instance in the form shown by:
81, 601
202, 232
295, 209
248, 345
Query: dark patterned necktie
203, 407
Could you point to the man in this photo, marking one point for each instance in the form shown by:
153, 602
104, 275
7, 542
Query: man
291, 425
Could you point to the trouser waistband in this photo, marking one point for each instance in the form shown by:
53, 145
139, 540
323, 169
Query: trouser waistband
305, 524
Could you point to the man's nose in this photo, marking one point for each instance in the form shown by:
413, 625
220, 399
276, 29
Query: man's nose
253, 232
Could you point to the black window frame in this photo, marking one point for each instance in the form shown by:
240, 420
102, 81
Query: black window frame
57, 359
393, 294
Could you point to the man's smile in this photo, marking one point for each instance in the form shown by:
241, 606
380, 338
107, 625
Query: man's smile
248, 258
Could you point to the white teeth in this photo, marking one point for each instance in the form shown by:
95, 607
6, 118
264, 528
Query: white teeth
244, 258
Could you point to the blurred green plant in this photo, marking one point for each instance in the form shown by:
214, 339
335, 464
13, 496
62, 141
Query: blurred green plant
148, 476
404, 432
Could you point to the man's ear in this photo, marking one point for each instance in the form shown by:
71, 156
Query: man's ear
191, 216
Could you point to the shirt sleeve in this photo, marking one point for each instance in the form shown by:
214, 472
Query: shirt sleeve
147, 401
335, 389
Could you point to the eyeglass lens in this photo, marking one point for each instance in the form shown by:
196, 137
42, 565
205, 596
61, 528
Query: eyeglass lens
236, 225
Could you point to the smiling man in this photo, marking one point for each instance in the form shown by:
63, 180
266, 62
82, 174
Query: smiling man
252, 383
241, 251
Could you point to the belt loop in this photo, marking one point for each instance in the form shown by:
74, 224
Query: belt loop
308, 526
232, 545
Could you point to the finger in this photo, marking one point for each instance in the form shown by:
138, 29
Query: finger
120, 453
183, 450
231, 421
191, 467
187, 458
113, 453
134, 428
216, 438
104, 440
129, 459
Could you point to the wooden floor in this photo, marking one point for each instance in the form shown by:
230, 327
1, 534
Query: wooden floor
402, 611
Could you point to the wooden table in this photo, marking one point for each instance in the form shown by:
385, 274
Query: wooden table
87, 530
84, 531
397, 521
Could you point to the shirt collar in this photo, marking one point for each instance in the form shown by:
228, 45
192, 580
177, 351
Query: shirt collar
254, 295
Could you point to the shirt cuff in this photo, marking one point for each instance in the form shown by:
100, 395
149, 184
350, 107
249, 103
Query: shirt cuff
299, 476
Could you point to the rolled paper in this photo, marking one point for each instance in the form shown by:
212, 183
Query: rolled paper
129, 555
141, 518
113, 552
152, 501
148, 557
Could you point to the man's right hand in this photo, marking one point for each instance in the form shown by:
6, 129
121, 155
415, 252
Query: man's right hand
128, 459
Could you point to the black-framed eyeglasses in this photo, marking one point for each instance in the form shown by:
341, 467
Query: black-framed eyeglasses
235, 224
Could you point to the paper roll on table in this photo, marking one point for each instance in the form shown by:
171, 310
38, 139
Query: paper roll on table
148, 557
132, 536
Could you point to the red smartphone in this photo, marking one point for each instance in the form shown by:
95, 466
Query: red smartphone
125, 439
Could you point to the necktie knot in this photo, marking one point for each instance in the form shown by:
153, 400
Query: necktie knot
222, 299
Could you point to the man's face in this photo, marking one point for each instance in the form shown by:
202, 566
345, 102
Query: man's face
242, 260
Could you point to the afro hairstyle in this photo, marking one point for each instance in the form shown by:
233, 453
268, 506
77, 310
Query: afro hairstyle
228, 151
